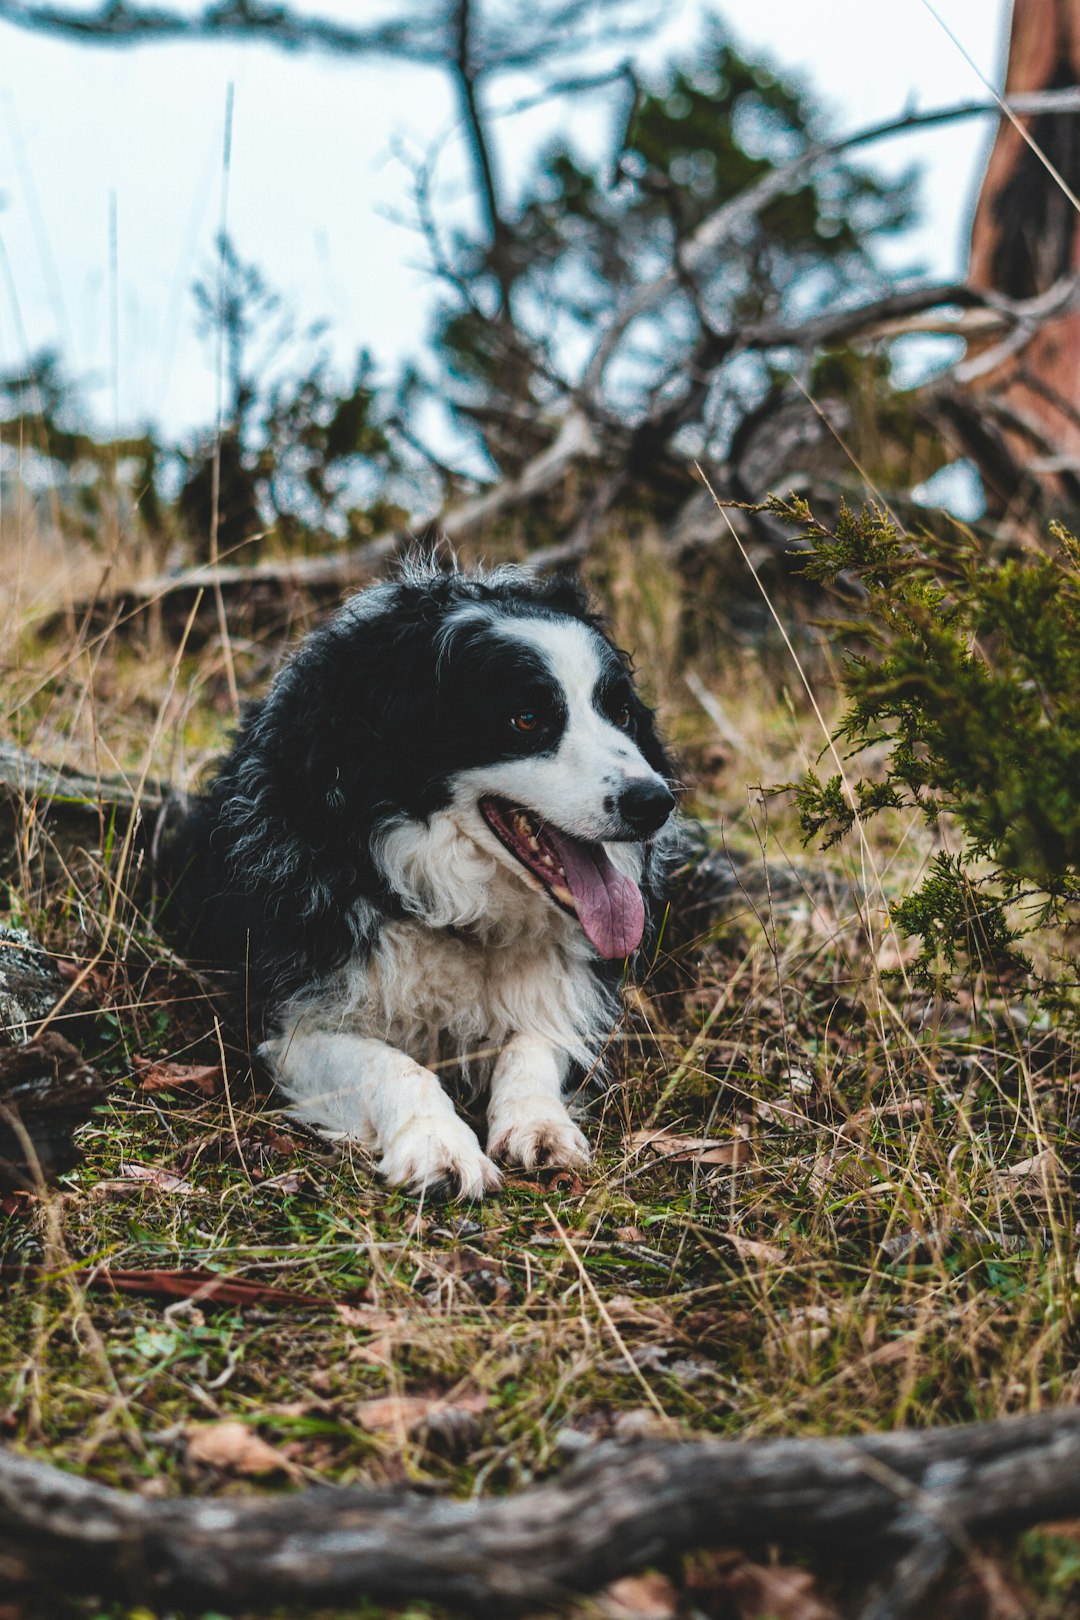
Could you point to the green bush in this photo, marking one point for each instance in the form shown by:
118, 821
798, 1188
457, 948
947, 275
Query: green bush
967, 671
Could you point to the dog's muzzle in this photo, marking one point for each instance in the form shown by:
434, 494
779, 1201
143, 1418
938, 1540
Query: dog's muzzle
645, 806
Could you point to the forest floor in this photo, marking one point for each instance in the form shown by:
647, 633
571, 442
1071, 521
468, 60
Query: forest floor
820, 1202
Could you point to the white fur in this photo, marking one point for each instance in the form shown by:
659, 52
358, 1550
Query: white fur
594, 759
370, 1092
485, 974
527, 1118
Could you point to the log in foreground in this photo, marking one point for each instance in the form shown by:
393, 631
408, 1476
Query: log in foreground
619, 1510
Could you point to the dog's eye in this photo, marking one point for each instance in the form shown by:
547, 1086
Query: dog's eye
623, 718
526, 720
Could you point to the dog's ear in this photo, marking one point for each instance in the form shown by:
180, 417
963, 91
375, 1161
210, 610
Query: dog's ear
564, 593
351, 700
278, 860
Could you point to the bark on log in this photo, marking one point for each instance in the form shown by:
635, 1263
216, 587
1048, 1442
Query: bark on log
1024, 236
30, 987
48, 812
26, 778
619, 1510
46, 1091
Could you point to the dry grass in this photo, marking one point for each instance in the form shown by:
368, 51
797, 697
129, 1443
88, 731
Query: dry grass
883, 1234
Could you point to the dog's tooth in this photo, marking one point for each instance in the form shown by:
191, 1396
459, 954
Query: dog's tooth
563, 896
534, 844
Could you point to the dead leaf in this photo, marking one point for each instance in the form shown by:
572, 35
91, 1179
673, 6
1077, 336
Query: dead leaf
154, 1176
641, 1597
367, 1318
409, 1414
641, 1313
293, 1409
94, 983
232, 1446
686, 1149
668, 1145
843, 1168
1043, 1173
885, 1355
281, 1142
546, 1180
856, 1124
700, 1149
375, 1352
159, 1074
288, 1182
630, 1234
776, 1591
808, 1327
766, 1254
484, 1274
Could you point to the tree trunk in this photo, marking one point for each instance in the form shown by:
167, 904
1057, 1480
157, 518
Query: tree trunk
1025, 233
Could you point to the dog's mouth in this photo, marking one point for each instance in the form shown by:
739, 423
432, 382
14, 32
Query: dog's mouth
577, 873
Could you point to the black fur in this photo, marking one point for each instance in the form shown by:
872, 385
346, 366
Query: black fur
271, 871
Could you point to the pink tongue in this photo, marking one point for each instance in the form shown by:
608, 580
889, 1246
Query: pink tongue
609, 906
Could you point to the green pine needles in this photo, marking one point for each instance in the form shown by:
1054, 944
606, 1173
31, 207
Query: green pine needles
967, 676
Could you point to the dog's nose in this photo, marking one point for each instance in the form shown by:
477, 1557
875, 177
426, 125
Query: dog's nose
645, 806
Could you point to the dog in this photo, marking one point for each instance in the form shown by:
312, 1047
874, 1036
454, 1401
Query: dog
432, 850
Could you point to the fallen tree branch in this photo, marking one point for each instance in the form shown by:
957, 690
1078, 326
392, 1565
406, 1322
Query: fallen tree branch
24, 778
330, 574
576, 441
52, 814
621, 1509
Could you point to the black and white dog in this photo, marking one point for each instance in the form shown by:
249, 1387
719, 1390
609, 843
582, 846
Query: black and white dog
431, 848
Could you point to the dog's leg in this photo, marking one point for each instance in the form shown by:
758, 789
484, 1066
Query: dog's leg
527, 1118
371, 1092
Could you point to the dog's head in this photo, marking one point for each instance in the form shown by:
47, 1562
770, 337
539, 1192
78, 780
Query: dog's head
496, 706
563, 755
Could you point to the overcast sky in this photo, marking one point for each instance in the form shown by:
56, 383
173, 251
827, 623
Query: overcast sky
315, 183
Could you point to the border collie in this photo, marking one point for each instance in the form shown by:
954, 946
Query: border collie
430, 851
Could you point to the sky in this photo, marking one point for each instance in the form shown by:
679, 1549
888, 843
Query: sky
112, 188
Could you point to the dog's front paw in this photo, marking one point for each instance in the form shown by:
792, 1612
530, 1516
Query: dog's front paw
536, 1132
438, 1156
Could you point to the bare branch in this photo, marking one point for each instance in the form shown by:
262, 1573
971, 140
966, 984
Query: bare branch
117, 23
465, 74
701, 247
328, 575
420, 35
582, 435
875, 319
621, 75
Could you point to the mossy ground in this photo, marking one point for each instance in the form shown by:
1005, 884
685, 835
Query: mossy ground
891, 1240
